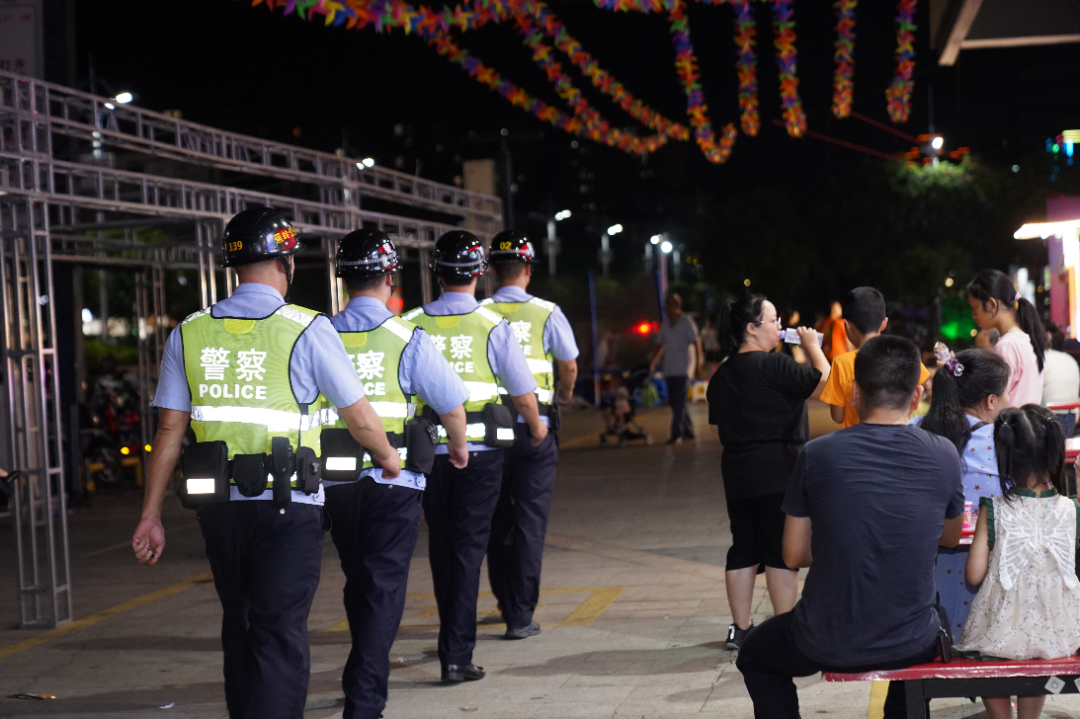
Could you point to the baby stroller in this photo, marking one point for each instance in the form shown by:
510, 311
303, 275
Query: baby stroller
619, 404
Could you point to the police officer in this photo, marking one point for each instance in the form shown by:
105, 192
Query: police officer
458, 504
375, 520
247, 372
516, 547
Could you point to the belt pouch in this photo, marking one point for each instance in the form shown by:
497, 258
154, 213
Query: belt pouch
282, 466
554, 416
249, 473
498, 425
421, 436
343, 457
204, 472
308, 470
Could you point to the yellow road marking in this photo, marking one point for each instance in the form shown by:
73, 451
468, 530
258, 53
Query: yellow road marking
878, 690
593, 607
51, 634
599, 599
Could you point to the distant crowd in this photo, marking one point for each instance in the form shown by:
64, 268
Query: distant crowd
937, 520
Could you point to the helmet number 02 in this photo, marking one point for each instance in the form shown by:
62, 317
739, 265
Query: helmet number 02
506, 245
235, 246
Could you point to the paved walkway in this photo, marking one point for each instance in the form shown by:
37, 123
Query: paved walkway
633, 608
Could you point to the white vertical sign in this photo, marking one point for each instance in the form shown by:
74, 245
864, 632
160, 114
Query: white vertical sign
20, 36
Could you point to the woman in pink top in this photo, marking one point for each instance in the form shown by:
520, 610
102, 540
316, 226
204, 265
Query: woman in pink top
995, 304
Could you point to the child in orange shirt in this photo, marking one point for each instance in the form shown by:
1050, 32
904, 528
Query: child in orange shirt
864, 319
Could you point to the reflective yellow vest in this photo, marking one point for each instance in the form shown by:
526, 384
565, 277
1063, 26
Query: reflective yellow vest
238, 375
463, 341
528, 321
376, 354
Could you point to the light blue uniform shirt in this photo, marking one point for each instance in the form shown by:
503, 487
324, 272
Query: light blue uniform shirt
505, 355
319, 363
558, 335
422, 371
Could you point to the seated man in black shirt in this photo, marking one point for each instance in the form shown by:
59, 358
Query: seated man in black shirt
869, 505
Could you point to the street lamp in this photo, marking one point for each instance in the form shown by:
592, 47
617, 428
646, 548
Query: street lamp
124, 98
938, 142
605, 247
365, 163
552, 243
666, 247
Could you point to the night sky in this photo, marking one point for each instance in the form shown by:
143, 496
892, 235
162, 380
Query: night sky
391, 97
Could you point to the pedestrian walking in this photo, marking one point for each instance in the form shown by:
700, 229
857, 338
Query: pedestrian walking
516, 547
675, 344
459, 503
375, 519
247, 372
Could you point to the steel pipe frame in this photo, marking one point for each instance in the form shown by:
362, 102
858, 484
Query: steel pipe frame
31, 114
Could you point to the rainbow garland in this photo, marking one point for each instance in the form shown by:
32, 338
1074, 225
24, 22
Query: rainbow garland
600, 78
596, 127
844, 57
687, 68
746, 65
898, 95
784, 41
386, 15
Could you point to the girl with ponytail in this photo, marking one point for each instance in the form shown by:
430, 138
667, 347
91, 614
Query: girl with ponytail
970, 390
1024, 554
995, 304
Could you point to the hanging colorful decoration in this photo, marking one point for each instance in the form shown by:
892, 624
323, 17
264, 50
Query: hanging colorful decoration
745, 30
687, 68
784, 41
898, 95
596, 127
535, 22
844, 57
600, 78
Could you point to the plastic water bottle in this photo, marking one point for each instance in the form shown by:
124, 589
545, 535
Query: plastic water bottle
791, 336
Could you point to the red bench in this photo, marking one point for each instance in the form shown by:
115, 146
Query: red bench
970, 678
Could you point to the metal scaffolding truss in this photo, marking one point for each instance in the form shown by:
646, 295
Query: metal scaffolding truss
81, 180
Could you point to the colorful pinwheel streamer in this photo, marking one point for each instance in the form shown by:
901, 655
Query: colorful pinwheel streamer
844, 57
784, 41
747, 67
687, 68
898, 95
534, 21
600, 78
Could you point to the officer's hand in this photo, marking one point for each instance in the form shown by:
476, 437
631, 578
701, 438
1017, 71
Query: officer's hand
539, 435
391, 464
459, 456
148, 541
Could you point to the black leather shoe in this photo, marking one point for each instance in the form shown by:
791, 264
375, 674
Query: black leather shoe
462, 673
522, 632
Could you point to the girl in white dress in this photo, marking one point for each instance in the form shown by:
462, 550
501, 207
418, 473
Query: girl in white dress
1024, 553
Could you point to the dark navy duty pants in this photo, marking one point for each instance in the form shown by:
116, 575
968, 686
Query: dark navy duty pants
681, 426
266, 568
374, 527
516, 548
458, 505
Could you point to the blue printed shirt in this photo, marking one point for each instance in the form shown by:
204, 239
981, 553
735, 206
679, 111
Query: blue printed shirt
423, 371
319, 363
505, 355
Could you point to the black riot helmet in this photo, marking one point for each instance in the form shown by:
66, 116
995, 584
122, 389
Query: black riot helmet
458, 255
366, 253
512, 246
257, 235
